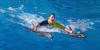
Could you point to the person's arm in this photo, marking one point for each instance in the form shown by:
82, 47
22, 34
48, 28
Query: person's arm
40, 24
35, 28
70, 32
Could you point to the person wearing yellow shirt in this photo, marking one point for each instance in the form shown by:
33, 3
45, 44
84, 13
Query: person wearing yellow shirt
51, 21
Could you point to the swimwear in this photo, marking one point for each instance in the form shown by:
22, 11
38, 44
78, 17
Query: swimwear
55, 24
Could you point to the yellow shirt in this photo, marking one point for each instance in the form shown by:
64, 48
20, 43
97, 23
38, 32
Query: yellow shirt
55, 24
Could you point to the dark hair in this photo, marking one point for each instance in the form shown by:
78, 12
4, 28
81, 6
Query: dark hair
52, 14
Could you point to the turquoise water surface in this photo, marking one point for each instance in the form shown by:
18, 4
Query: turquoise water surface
81, 15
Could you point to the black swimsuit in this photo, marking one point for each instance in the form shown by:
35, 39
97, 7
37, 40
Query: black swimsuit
45, 22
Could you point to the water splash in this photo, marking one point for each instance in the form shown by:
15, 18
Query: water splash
80, 24
25, 19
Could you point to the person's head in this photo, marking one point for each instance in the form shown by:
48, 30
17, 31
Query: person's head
52, 17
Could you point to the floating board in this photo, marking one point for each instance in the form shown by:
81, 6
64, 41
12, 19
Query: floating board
42, 33
45, 34
81, 35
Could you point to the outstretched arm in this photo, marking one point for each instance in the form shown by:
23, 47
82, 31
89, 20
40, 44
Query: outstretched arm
70, 32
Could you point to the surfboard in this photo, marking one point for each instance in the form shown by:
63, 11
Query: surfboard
42, 33
81, 35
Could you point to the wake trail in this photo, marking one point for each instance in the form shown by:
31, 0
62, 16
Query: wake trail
18, 16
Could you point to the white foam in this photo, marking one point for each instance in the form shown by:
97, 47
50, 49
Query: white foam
35, 8
49, 30
97, 21
12, 15
2, 11
10, 8
41, 12
27, 18
82, 24
21, 7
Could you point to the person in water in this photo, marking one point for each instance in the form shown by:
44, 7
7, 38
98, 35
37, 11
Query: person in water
51, 21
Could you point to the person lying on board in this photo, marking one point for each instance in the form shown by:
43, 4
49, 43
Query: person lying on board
51, 21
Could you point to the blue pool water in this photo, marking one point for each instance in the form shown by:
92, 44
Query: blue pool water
81, 15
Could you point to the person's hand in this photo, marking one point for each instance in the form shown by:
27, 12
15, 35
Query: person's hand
35, 29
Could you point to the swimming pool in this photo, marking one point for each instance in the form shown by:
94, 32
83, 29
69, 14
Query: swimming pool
80, 15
